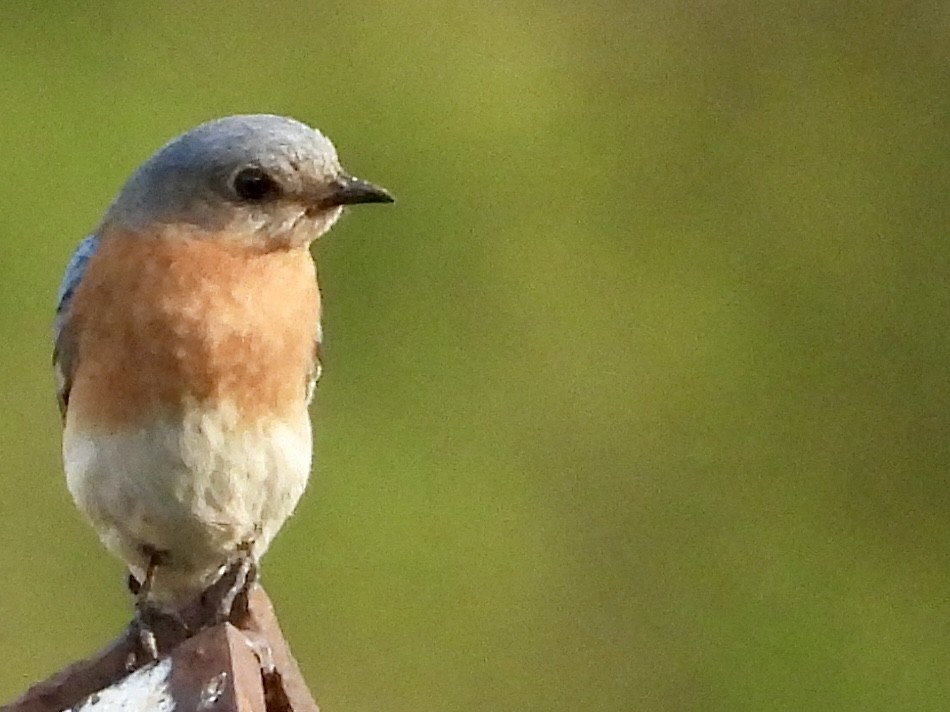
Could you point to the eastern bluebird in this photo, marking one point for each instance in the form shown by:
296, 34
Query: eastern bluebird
187, 339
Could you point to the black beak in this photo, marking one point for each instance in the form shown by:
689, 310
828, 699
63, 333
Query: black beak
349, 190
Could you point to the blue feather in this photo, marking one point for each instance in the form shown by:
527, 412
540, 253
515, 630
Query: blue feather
74, 271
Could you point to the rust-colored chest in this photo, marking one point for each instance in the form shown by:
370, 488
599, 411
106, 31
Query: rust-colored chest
162, 324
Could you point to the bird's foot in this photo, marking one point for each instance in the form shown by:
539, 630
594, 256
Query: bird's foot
234, 602
227, 597
150, 626
146, 649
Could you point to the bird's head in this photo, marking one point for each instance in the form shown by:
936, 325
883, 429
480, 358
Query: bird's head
261, 180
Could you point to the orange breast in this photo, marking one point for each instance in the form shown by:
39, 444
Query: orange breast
166, 322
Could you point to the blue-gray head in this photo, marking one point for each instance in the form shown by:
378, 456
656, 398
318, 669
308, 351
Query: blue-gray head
255, 178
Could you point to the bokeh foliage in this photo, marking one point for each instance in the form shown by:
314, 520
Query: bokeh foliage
638, 399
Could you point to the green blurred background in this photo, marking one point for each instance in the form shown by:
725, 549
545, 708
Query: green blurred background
637, 399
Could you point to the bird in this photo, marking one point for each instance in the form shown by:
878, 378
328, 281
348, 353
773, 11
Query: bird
186, 347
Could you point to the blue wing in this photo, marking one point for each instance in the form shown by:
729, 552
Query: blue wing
74, 272
64, 351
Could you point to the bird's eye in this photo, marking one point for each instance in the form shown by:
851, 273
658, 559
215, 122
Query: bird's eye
254, 184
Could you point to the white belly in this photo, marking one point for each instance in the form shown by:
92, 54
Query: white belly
198, 489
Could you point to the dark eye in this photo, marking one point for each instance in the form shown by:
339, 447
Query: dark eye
254, 184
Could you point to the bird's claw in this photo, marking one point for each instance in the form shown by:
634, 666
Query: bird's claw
244, 571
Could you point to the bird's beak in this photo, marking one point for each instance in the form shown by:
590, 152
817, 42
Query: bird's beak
349, 190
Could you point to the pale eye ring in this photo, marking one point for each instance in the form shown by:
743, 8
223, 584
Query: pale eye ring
253, 184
